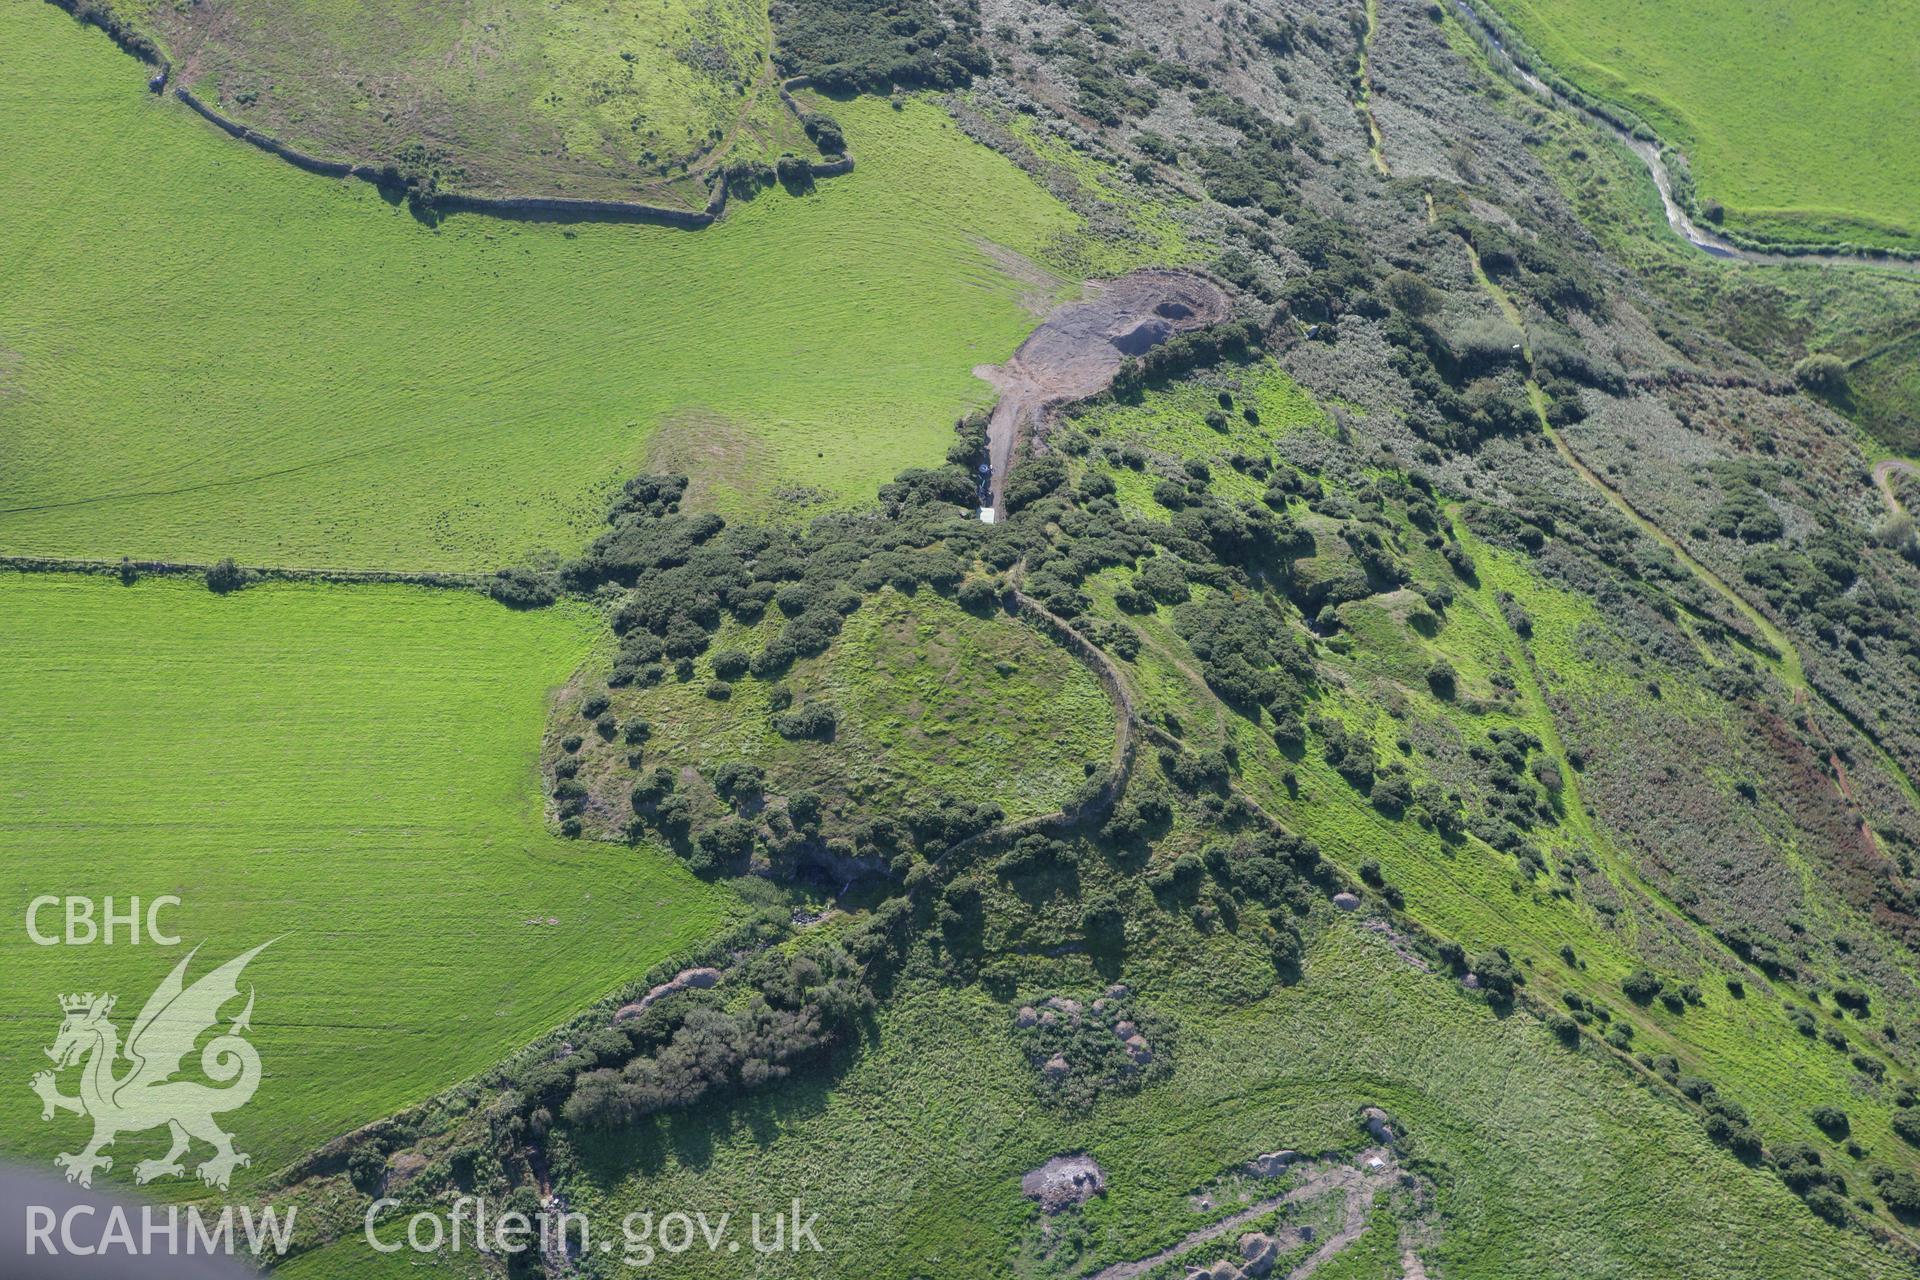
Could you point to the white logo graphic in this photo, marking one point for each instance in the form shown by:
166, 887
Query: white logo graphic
146, 1096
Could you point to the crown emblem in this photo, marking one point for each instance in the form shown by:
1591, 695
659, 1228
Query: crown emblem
81, 1004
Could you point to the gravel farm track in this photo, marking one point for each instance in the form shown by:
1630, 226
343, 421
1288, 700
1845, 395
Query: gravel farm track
1076, 351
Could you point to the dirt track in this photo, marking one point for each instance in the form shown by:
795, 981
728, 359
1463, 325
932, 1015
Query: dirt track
1883, 473
1078, 349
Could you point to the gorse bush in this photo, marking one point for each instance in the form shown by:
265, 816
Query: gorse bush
523, 588
873, 45
801, 1006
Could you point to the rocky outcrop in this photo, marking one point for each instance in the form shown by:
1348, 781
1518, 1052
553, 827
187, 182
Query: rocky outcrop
1273, 1163
1064, 1181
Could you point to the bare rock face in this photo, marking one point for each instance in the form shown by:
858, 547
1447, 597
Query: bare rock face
1125, 1029
1258, 1251
1138, 1050
1064, 1181
1471, 982
1376, 1122
1346, 901
1056, 1068
1272, 1164
1142, 336
1026, 1017
685, 980
1079, 348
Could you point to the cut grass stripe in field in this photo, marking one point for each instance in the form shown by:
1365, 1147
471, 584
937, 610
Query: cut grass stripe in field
206, 352
349, 770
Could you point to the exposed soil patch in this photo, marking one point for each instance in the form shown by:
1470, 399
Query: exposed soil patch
686, 980
714, 453
1076, 352
1375, 1170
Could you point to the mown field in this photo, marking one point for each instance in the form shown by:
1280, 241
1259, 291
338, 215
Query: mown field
1797, 117
206, 352
559, 99
349, 771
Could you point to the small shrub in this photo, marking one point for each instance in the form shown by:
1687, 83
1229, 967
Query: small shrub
977, 595
1641, 987
367, 1169
1822, 374
1899, 1188
814, 720
795, 173
226, 576
523, 589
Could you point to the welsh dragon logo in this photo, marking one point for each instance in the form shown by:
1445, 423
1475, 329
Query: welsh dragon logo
146, 1095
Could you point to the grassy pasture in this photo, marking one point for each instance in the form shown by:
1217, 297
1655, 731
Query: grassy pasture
1547, 1164
206, 352
566, 99
349, 770
1798, 117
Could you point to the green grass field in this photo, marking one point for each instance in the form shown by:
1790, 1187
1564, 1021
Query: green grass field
565, 99
351, 771
1798, 117
206, 352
